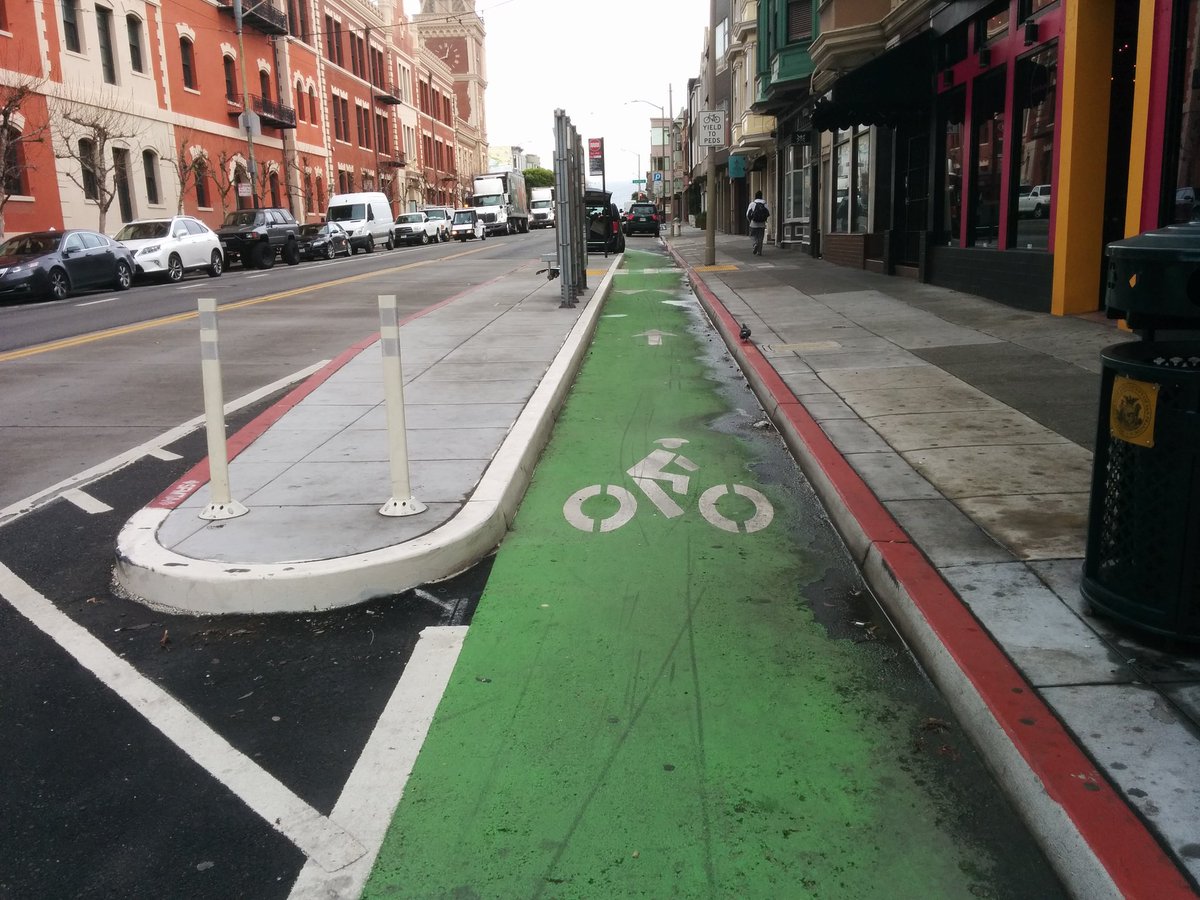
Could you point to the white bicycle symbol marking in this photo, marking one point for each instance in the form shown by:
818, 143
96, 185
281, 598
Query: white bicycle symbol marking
647, 474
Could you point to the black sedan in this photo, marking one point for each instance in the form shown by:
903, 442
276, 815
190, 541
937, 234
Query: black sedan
56, 264
323, 240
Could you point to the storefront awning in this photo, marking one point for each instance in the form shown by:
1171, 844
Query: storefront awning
895, 85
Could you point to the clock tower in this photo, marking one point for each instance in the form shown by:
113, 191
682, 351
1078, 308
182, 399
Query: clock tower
452, 31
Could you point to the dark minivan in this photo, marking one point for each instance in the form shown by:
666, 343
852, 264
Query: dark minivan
642, 218
604, 223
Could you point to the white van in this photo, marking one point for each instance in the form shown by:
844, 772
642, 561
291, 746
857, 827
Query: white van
366, 218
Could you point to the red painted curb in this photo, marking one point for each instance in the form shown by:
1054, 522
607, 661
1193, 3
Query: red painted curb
1133, 857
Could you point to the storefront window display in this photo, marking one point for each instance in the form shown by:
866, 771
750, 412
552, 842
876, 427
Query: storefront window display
1034, 95
988, 155
952, 118
851, 166
1183, 206
841, 181
862, 175
798, 190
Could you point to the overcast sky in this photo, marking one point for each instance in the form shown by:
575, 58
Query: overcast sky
589, 59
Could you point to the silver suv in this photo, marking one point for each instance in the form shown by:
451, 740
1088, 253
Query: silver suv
443, 216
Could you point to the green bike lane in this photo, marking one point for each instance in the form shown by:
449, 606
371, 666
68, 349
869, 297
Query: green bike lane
675, 684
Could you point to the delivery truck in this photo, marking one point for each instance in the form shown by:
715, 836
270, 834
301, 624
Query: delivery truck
541, 207
502, 202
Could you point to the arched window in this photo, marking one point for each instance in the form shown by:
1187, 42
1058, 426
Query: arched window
241, 177
14, 165
231, 85
133, 26
201, 176
308, 192
320, 194
87, 163
300, 101
264, 83
274, 181
150, 165
312, 106
187, 57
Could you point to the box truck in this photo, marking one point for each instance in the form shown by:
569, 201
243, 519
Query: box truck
502, 202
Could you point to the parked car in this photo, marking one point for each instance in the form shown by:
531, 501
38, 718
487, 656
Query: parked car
167, 248
467, 223
415, 228
443, 215
642, 218
323, 240
1034, 201
604, 223
367, 218
1186, 209
258, 236
56, 264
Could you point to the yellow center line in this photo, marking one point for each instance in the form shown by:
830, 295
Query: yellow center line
119, 331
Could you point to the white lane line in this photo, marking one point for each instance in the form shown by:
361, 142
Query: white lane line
33, 501
318, 837
86, 502
377, 783
164, 455
94, 302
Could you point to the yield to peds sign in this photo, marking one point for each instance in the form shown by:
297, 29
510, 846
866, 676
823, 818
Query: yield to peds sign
712, 128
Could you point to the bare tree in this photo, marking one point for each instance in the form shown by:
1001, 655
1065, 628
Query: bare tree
89, 131
226, 174
185, 159
17, 133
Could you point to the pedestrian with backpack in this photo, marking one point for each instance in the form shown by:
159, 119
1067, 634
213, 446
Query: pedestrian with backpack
757, 214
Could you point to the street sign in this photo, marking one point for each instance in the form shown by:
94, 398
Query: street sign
639, 181
712, 128
595, 156
658, 176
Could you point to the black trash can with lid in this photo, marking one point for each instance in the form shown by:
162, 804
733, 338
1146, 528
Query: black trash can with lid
1142, 563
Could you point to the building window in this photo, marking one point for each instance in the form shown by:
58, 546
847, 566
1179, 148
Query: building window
800, 19
264, 84
320, 193
121, 183
14, 165
3, 16
108, 65
231, 71
187, 59
841, 182
1034, 101
950, 188
312, 106
87, 162
70, 14
274, 182
987, 144
150, 167
308, 192
133, 26
201, 176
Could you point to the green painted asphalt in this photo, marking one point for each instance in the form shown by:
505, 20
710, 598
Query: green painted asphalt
654, 711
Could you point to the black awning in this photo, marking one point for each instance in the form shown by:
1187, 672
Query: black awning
896, 85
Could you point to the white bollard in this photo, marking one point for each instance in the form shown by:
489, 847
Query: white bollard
221, 504
402, 503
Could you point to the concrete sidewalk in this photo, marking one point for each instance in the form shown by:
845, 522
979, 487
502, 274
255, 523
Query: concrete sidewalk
949, 438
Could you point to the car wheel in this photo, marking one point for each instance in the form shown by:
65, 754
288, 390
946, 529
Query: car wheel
263, 256
124, 275
445, 236
424, 238
59, 287
370, 245
1039, 211
174, 271
291, 253
216, 264
391, 243
329, 250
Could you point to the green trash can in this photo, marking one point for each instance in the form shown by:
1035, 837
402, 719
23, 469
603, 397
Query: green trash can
1142, 564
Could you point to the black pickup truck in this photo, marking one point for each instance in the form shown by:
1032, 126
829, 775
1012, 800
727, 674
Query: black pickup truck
258, 236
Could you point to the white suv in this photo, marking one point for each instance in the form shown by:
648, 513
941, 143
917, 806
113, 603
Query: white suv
443, 216
166, 248
414, 228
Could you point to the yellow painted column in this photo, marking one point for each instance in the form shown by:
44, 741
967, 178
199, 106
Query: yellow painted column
1082, 156
1141, 119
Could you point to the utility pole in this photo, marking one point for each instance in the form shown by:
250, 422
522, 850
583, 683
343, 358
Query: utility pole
671, 156
246, 112
710, 163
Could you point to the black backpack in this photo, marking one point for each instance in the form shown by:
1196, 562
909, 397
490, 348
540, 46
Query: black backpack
760, 213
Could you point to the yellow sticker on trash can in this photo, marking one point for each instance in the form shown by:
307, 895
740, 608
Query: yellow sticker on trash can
1131, 413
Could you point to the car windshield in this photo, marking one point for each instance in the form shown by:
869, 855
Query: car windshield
436, 213
347, 213
241, 217
1024, 190
30, 244
464, 217
489, 200
410, 217
542, 204
144, 231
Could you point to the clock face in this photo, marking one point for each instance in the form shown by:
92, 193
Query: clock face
450, 52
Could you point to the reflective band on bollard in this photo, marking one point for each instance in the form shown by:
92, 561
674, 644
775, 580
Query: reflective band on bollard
221, 504
402, 503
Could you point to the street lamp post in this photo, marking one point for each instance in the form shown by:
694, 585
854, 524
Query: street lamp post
662, 120
246, 113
